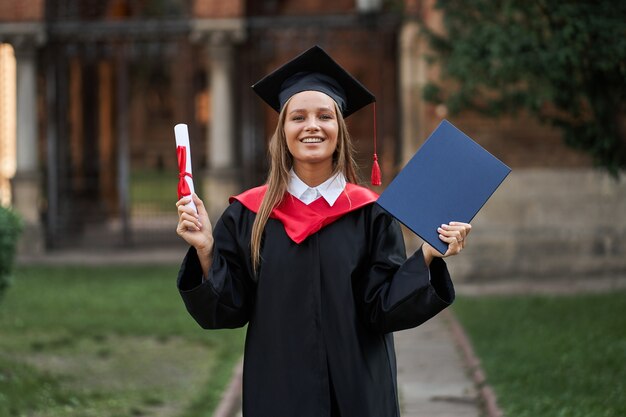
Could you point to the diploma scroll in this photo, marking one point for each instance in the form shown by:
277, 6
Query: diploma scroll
183, 153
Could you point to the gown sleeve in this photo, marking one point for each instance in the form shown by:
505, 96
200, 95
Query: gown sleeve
400, 293
223, 299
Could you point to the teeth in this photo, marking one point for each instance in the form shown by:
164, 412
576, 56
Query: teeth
311, 140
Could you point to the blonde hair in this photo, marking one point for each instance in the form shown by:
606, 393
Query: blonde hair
281, 163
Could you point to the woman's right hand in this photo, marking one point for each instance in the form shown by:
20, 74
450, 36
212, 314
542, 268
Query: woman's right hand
195, 228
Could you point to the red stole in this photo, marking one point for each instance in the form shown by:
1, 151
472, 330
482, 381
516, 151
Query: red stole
301, 220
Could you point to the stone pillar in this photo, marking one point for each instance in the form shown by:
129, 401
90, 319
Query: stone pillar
26, 184
413, 76
221, 150
222, 179
368, 6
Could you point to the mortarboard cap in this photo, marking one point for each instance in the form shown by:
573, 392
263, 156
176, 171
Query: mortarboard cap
315, 70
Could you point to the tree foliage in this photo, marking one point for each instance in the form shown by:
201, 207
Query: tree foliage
10, 228
564, 61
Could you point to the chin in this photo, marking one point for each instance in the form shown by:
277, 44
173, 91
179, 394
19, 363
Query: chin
315, 159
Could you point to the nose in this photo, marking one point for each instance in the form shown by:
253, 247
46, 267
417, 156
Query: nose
312, 125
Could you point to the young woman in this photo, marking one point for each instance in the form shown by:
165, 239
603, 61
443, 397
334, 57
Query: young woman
311, 264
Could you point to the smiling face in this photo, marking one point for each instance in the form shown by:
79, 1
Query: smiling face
311, 130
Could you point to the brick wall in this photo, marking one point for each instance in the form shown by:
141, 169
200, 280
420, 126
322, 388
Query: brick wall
318, 7
21, 10
206, 9
520, 141
300, 7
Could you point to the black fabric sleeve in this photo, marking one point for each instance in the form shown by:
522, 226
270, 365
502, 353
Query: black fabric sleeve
223, 299
400, 294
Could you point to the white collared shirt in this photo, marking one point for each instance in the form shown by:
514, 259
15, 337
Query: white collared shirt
330, 189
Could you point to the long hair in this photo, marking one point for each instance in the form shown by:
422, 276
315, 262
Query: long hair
281, 163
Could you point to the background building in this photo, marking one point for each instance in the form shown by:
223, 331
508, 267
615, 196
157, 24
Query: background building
87, 156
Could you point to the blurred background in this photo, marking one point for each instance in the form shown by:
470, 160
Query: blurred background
90, 92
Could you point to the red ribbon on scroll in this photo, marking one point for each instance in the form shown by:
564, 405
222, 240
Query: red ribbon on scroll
183, 187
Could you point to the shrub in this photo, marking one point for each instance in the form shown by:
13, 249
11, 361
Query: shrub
562, 61
10, 228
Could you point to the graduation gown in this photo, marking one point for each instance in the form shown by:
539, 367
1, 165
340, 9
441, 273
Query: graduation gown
321, 311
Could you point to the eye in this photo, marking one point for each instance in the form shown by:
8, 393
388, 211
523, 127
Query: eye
297, 118
326, 116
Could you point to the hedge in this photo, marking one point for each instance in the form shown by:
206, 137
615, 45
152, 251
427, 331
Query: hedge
10, 228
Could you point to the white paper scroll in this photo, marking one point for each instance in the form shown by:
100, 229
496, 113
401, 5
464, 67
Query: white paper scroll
182, 139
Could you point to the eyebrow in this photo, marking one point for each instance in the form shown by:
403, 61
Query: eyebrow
330, 109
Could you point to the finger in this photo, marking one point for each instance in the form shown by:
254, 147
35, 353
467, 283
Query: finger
183, 201
183, 206
448, 239
451, 232
187, 210
199, 205
452, 251
454, 246
190, 218
462, 228
186, 225
465, 226
189, 215
460, 224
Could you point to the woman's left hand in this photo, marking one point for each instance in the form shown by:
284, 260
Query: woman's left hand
454, 234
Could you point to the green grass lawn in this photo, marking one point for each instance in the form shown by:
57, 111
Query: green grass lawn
154, 191
107, 341
551, 356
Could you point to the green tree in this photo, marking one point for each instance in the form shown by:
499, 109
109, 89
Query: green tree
563, 61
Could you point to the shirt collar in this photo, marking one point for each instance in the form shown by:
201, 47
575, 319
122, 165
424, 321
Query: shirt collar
330, 189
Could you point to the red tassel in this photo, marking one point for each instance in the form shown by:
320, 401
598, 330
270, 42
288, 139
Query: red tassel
376, 177
376, 180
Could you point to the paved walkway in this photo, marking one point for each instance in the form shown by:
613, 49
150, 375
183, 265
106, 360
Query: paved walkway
432, 380
432, 377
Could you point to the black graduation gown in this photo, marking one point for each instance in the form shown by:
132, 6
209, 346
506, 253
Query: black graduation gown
320, 314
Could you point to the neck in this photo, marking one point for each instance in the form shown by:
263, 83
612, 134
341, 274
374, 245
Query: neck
313, 174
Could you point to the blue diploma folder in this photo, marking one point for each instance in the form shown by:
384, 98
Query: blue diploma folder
449, 179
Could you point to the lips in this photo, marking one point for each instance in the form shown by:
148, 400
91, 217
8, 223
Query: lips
312, 139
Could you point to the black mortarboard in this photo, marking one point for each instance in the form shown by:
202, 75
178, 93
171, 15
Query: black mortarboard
313, 70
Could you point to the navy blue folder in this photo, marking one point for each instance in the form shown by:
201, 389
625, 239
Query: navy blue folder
449, 179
